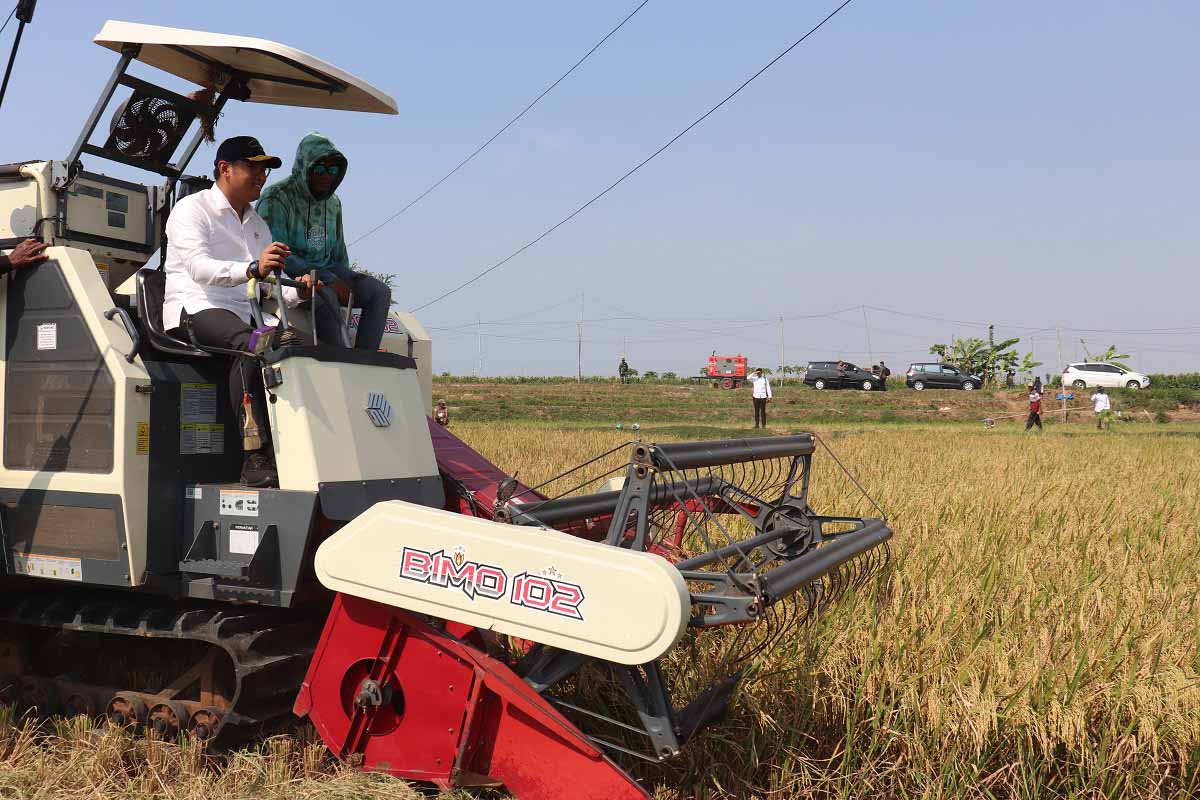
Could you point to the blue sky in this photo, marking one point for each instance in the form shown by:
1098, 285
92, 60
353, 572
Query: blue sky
1021, 163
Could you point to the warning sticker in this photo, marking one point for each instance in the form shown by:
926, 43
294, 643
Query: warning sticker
193, 492
143, 438
199, 440
197, 402
243, 539
47, 336
63, 569
239, 504
103, 268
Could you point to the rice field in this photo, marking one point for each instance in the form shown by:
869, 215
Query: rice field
1037, 633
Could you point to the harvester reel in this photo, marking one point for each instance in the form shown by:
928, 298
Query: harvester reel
728, 520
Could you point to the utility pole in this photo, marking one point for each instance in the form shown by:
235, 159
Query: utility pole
478, 366
1062, 388
781, 361
579, 344
867, 328
991, 373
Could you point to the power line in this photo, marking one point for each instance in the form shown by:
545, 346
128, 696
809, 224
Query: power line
10, 16
641, 164
507, 125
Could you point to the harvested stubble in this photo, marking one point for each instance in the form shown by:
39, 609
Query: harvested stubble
1038, 635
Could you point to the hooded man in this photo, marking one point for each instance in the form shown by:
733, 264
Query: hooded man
305, 213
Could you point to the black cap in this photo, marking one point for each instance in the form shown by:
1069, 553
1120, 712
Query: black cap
245, 148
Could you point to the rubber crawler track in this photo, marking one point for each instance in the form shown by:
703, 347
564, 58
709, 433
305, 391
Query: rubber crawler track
269, 648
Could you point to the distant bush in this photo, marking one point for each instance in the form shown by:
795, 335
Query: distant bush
1157, 397
1185, 380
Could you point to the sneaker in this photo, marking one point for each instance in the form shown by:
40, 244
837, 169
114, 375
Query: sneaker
259, 470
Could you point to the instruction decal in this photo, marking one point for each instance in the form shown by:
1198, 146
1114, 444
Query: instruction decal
243, 539
193, 493
143, 439
235, 503
197, 439
63, 569
47, 336
197, 402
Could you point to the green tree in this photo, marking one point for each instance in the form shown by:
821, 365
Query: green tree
976, 356
650, 375
386, 278
1110, 355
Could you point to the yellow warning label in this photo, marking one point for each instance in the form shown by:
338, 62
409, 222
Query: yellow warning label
143, 439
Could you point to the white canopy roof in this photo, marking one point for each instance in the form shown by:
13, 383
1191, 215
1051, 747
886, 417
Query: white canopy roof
276, 73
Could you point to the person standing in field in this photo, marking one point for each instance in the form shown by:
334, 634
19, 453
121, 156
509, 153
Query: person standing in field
623, 370
884, 374
441, 414
760, 394
1035, 409
1037, 384
1102, 406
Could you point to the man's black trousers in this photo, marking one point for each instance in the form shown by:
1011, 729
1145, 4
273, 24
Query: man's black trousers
760, 411
217, 327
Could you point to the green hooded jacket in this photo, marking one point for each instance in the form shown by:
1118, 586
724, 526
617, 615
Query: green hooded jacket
311, 226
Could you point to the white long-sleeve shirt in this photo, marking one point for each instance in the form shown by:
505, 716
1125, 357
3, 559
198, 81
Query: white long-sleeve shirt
209, 249
1101, 402
762, 387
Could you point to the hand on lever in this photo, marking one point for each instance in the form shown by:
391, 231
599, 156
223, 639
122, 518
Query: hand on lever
307, 291
273, 258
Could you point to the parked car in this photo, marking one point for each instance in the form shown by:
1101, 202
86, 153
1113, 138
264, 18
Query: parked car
841, 375
940, 376
1101, 373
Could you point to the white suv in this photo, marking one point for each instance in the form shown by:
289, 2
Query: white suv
1102, 374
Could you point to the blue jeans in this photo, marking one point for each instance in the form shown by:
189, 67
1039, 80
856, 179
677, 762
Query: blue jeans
375, 299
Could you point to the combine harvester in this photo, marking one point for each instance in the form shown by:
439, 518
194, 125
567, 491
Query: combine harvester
428, 614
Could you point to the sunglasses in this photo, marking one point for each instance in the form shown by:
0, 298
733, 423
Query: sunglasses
332, 169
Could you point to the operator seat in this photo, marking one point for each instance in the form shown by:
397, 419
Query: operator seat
151, 288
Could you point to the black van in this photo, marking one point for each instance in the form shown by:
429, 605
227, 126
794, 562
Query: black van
940, 376
841, 375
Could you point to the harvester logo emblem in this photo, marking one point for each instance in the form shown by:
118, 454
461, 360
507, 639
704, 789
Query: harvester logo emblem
545, 592
379, 409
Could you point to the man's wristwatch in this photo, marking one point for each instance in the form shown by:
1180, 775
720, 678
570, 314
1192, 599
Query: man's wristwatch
252, 270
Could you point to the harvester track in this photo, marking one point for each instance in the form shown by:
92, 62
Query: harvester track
234, 673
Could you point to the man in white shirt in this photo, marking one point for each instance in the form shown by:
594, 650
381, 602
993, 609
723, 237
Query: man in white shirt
761, 393
215, 243
1102, 406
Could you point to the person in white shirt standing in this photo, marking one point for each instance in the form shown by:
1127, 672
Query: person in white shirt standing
215, 243
761, 393
1102, 406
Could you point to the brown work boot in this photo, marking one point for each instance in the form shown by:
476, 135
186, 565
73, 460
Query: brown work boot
259, 470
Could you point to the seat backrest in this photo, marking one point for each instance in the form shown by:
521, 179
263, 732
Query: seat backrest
151, 288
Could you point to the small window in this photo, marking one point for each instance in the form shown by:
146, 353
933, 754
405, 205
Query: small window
115, 201
950, 371
116, 220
